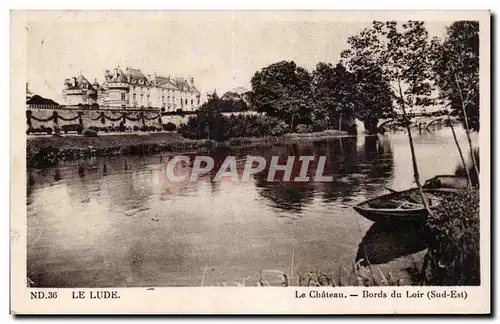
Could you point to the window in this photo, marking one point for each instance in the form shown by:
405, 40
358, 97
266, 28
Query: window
133, 88
123, 96
142, 97
191, 102
162, 98
186, 101
134, 96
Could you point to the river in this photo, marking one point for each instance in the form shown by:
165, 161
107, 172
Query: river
118, 222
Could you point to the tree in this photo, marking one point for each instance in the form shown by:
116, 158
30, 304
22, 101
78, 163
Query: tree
456, 73
209, 123
232, 102
371, 93
332, 89
283, 90
402, 53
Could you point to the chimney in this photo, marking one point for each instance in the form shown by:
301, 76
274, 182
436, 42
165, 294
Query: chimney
192, 81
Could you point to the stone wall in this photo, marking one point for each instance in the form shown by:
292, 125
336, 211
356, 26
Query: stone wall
91, 117
51, 117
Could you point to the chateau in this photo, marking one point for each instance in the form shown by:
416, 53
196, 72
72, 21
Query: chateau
133, 89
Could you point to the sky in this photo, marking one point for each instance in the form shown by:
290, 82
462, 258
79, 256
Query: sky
221, 53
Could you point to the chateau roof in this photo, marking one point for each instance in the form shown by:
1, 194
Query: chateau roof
164, 82
118, 76
135, 75
80, 82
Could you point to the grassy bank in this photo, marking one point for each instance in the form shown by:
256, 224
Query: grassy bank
50, 150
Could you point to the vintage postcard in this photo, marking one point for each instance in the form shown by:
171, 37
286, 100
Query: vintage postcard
250, 162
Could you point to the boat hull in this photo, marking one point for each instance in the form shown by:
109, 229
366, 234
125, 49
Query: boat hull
375, 210
413, 216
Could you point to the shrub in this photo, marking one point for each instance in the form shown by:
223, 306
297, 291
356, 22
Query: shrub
94, 128
169, 127
136, 128
209, 124
90, 133
48, 130
453, 255
303, 128
71, 128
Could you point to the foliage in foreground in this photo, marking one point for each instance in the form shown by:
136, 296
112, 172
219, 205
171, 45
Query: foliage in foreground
453, 255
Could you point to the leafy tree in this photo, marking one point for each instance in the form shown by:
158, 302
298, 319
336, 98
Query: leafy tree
371, 91
283, 90
372, 97
209, 123
333, 89
456, 73
232, 102
403, 55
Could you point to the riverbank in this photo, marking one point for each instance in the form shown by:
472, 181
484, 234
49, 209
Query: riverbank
50, 150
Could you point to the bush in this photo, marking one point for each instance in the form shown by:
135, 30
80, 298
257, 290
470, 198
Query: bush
71, 128
303, 128
94, 129
169, 127
215, 126
453, 255
42, 129
90, 133
136, 128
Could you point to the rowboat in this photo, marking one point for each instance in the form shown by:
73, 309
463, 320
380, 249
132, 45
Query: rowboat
407, 205
402, 206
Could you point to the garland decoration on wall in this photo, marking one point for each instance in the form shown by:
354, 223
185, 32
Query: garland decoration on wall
28, 112
74, 118
102, 117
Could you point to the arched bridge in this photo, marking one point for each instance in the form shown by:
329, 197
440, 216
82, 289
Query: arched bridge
420, 121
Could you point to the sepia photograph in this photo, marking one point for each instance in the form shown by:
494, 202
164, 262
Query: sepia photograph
253, 149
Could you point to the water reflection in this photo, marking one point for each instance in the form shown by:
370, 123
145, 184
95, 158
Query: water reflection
117, 221
383, 243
